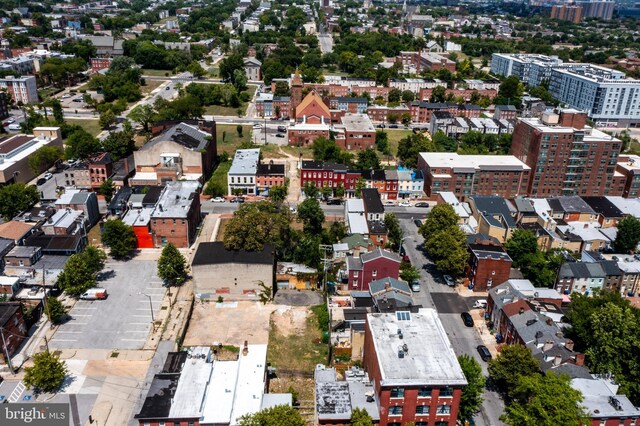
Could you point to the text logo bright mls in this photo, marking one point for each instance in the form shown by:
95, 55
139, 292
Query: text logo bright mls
34, 414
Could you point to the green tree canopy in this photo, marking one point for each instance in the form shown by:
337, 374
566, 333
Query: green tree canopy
312, 216
394, 231
55, 311
522, 244
412, 145
514, 362
119, 237
143, 114
278, 193
81, 145
47, 372
44, 157
328, 150
360, 417
107, 189
368, 160
628, 235
471, 398
408, 272
172, 266
15, 198
280, 415
442, 216
79, 273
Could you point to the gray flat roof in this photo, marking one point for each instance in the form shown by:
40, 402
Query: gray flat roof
175, 201
429, 359
245, 162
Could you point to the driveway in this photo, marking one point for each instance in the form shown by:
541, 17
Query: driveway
123, 320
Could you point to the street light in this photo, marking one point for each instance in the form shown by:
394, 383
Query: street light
150, 306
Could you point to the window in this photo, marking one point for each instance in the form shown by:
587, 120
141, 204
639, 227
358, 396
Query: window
446, 391
395, 411
355, 274
442, 423
403, 316
423, 392
374, 273
443, 409
422, 409
422, 423
397, 393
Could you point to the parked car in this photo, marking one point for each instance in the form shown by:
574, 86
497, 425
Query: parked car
237, 200
467, 319
218, 200
14, 126
66, 96
484, 353
404, 204
421, 204
480, 304
9, 121
293, 209
393, 126
47, 176
389, 203
41, 181
418, 223
282, 128
280, 135
167, 88
450, 282
94, 294
381, 126
415, 286
257, 126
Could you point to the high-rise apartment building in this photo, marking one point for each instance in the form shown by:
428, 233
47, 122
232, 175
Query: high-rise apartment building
21, 89
597, 9
567, 12
566, 156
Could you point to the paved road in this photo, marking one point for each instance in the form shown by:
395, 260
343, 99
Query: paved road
325, 39
436, 294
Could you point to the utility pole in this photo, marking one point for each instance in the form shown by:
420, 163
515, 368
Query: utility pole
325, 248
6, 351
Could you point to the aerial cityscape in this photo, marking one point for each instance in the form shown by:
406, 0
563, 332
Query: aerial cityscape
325, 212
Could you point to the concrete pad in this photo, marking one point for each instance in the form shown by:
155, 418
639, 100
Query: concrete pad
229, 325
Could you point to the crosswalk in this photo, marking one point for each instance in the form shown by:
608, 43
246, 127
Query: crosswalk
17, 392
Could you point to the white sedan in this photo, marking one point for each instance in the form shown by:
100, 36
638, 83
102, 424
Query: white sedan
218, 200
405, 204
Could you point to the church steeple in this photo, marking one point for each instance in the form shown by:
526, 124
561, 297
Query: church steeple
297, 80
296, 94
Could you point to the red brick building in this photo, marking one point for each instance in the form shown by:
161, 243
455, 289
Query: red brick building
269, 175
382, 113
400, 353
356, 132
502, 175
326, 174
566, 156
313, 120
425, 94
100, 168
489, 265
176, 216
371, 266
98, 64
13, 326
426, 61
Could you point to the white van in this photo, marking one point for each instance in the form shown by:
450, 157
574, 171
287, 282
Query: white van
14, 126
480, 304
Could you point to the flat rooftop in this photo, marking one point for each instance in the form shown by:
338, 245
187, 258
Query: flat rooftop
591, 134
245, 162
429, 358
477, 162
175, 201
357, 123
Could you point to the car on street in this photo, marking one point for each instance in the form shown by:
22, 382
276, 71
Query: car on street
282, 128
389, 203
41, 181
415, 286
66, 96
77, 100
47, 176
14, 126
421, 204
9, 121
467, 319
217, 200
418, 223
480, 304
237, 200
280, 135
405, 204
484, 353
393, 126
450, 282
257, 126
381, 126
334, 202
293, 209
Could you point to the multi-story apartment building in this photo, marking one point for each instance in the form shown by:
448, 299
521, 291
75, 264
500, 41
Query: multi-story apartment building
629, 167
176, 216
248, 176
566, 156
567, 12
531, 69
415, 85
504, 175
414, 370
21, 89
15, 151
597, 9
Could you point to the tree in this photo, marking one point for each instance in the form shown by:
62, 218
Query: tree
196, 69
545, 400
368, 160
442, 216
438, 94
239, 130
628, 235
360, 417
229, 65
280, 415
408, 96
311, 214
510, 91
448, 250
240, 80
47, 373
411, 146
15, 198
522, 244
310, 190
81, 145
55, 310
172, 266
44, 157
119, 237
143, 114
107, 119
394, 231
514, 362
394, 95
119, 144
328, 150
382, 142
107, 189
77, 277
278, 193
409, 273
471, 398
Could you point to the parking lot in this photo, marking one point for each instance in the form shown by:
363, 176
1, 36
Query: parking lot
123, 320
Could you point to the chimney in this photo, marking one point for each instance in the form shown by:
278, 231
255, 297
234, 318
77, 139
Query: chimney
579, 360
521, 311
245, 350
549, 321
387, 284
547, 345
569, 345
557, 360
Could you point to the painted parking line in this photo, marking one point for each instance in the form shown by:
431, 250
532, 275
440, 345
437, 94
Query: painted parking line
134, 340
141, 316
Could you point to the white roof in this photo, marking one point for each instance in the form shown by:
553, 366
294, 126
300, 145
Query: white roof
430, 359
340, 247
245, 162
357, 223
138, 217
8, 280
219, 401
454, 160
66, 197
151, 176
250, 382
192, 386
355, 205
626, 205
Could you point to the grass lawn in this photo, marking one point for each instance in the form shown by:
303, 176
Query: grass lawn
307, 152
634, 147
48, 92
224, 110
394, 136
92, 126
231, 140
300, 351
95, 237
251, 90
155, 73
271, 151
219, 177
150, 86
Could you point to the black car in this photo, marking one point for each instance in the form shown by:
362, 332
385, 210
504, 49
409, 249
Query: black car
421, 204
467, 319
418, 223
280, 135
484, 353
41, 181
334, 202
237, 200
393, 126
